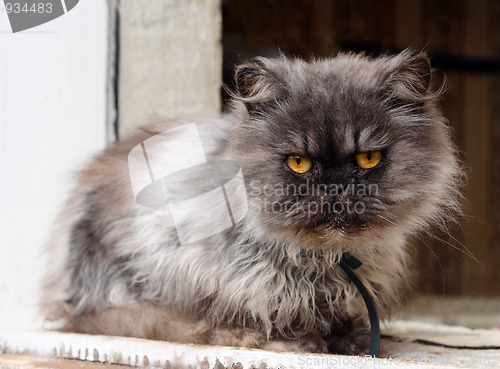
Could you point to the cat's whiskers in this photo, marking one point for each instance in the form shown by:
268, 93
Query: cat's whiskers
464, 251
437, 259
387, 220
430, 249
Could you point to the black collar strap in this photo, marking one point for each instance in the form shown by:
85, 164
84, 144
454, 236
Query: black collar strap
349, 263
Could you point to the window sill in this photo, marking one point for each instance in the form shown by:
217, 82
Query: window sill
409, 344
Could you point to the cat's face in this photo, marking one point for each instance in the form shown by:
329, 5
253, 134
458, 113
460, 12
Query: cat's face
342, 148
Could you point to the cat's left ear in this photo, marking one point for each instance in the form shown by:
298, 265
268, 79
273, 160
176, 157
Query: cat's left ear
410, 81
257, 86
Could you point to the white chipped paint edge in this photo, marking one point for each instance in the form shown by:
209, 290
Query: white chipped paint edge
141, 352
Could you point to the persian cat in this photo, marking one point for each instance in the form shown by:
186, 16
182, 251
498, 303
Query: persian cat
341, 155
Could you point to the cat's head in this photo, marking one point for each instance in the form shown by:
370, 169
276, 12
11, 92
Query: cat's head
342, 150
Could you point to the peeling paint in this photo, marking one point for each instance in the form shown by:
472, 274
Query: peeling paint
157, 354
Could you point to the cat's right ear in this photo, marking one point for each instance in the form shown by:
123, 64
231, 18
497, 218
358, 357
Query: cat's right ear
257, 86
410, 81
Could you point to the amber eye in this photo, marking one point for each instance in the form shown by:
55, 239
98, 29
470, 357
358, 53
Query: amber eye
369, 159
298, 163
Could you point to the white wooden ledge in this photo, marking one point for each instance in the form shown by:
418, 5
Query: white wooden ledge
400, 350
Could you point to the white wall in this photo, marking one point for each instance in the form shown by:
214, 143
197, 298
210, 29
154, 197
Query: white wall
52, 117
170, 60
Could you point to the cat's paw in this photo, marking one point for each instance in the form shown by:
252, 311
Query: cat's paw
309, 343
353, 342
238, 337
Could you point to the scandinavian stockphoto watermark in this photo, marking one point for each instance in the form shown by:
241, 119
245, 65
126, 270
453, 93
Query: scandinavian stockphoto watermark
310, 197
171, 170
26, 14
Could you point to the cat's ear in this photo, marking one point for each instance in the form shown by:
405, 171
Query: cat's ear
257, 86
410, 81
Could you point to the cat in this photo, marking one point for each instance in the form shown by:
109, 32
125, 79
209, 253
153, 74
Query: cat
365, 139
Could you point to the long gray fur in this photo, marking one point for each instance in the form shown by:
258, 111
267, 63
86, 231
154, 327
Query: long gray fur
275, 276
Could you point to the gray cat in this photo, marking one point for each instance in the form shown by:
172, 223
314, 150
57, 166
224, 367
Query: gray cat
361, 135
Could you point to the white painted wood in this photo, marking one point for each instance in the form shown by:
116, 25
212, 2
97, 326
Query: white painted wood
401, 349
170, 61
52, 117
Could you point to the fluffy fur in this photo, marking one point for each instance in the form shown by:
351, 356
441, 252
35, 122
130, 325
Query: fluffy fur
272, 281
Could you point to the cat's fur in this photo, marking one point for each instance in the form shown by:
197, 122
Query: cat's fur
273, 281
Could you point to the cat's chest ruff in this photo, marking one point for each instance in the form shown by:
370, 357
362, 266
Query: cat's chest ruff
311, 279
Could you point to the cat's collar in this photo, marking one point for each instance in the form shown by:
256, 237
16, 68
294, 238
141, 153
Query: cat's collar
349, 263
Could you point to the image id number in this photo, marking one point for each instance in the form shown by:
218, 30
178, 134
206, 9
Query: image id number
25, 8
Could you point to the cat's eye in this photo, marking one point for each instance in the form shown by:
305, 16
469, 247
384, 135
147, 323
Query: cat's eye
369, 159
299, 163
